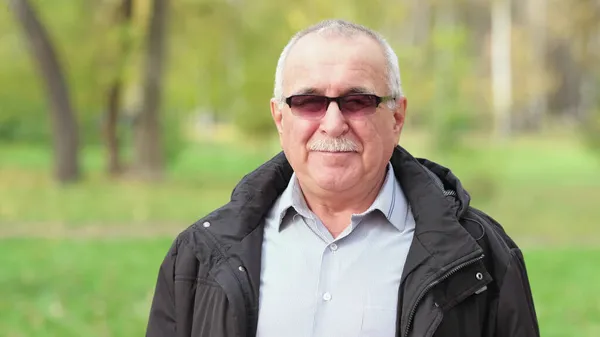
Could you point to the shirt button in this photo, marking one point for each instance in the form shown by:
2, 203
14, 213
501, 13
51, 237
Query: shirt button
333, 247
327, 297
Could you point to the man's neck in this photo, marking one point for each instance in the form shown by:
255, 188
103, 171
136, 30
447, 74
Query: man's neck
335, 209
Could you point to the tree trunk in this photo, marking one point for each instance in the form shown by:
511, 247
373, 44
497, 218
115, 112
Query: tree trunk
565, 99
113, 160
501, 67
538, 105
420, 22
445, 101
149, 155
64, 124
590, 54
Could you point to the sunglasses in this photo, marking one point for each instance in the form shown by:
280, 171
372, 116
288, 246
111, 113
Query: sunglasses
351, 106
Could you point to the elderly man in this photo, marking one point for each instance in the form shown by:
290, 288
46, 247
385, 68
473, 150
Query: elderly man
344, 233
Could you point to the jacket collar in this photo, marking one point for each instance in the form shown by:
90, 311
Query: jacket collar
390, 201
439, 239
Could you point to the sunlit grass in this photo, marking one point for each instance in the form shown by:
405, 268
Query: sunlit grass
89, 281
77, 287
542, 192
80, 287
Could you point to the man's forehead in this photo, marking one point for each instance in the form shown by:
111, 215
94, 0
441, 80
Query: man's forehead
317, 62
333, 49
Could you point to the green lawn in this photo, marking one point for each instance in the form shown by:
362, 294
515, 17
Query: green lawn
81, 287
198, 182
82, 276
543, 191
77, 287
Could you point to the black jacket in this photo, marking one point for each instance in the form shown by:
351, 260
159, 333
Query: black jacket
463, 275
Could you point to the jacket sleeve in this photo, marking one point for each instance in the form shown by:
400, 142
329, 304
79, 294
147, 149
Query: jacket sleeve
516, 316
161, 322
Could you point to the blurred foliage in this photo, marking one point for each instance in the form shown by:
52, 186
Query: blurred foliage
222, 57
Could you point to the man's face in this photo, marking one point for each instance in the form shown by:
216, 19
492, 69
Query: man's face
335, 66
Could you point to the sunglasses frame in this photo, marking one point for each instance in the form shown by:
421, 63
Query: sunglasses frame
337, 100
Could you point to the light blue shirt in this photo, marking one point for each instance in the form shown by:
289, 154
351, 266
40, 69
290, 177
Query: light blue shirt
313, 285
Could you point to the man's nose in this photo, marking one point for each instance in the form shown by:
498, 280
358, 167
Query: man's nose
334, 123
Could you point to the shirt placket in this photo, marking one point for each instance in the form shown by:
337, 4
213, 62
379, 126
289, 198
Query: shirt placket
326, 293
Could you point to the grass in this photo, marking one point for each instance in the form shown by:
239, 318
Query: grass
563, 282
72, 272
542, 191
75, 287
198, 182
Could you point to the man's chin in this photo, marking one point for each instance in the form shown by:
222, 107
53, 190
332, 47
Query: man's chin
332, 177
332, 184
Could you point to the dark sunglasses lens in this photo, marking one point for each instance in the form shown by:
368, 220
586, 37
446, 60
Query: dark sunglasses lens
308, 106
358, 104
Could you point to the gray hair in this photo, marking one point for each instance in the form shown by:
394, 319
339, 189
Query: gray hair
346, 29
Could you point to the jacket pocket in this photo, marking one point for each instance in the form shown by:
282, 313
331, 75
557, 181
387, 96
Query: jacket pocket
212, 314
467, 318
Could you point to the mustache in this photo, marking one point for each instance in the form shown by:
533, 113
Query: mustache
333, 145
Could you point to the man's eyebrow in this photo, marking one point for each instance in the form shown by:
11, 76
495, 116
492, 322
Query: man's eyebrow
350, 91
357, 90
307, 91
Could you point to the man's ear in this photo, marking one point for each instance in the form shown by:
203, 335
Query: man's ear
277, 115
400, 113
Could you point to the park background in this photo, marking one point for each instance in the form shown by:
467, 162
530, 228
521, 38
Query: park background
122, 122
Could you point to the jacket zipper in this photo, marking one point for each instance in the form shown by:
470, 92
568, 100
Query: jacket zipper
411, 316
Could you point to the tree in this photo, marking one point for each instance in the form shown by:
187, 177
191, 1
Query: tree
114, 92
501, 66
64, 124
536, 13
147, 131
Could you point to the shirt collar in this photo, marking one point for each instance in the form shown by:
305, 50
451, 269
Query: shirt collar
291, 197
390, 201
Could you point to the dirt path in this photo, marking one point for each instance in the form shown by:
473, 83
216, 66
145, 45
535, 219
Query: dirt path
169, 231
53, 231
